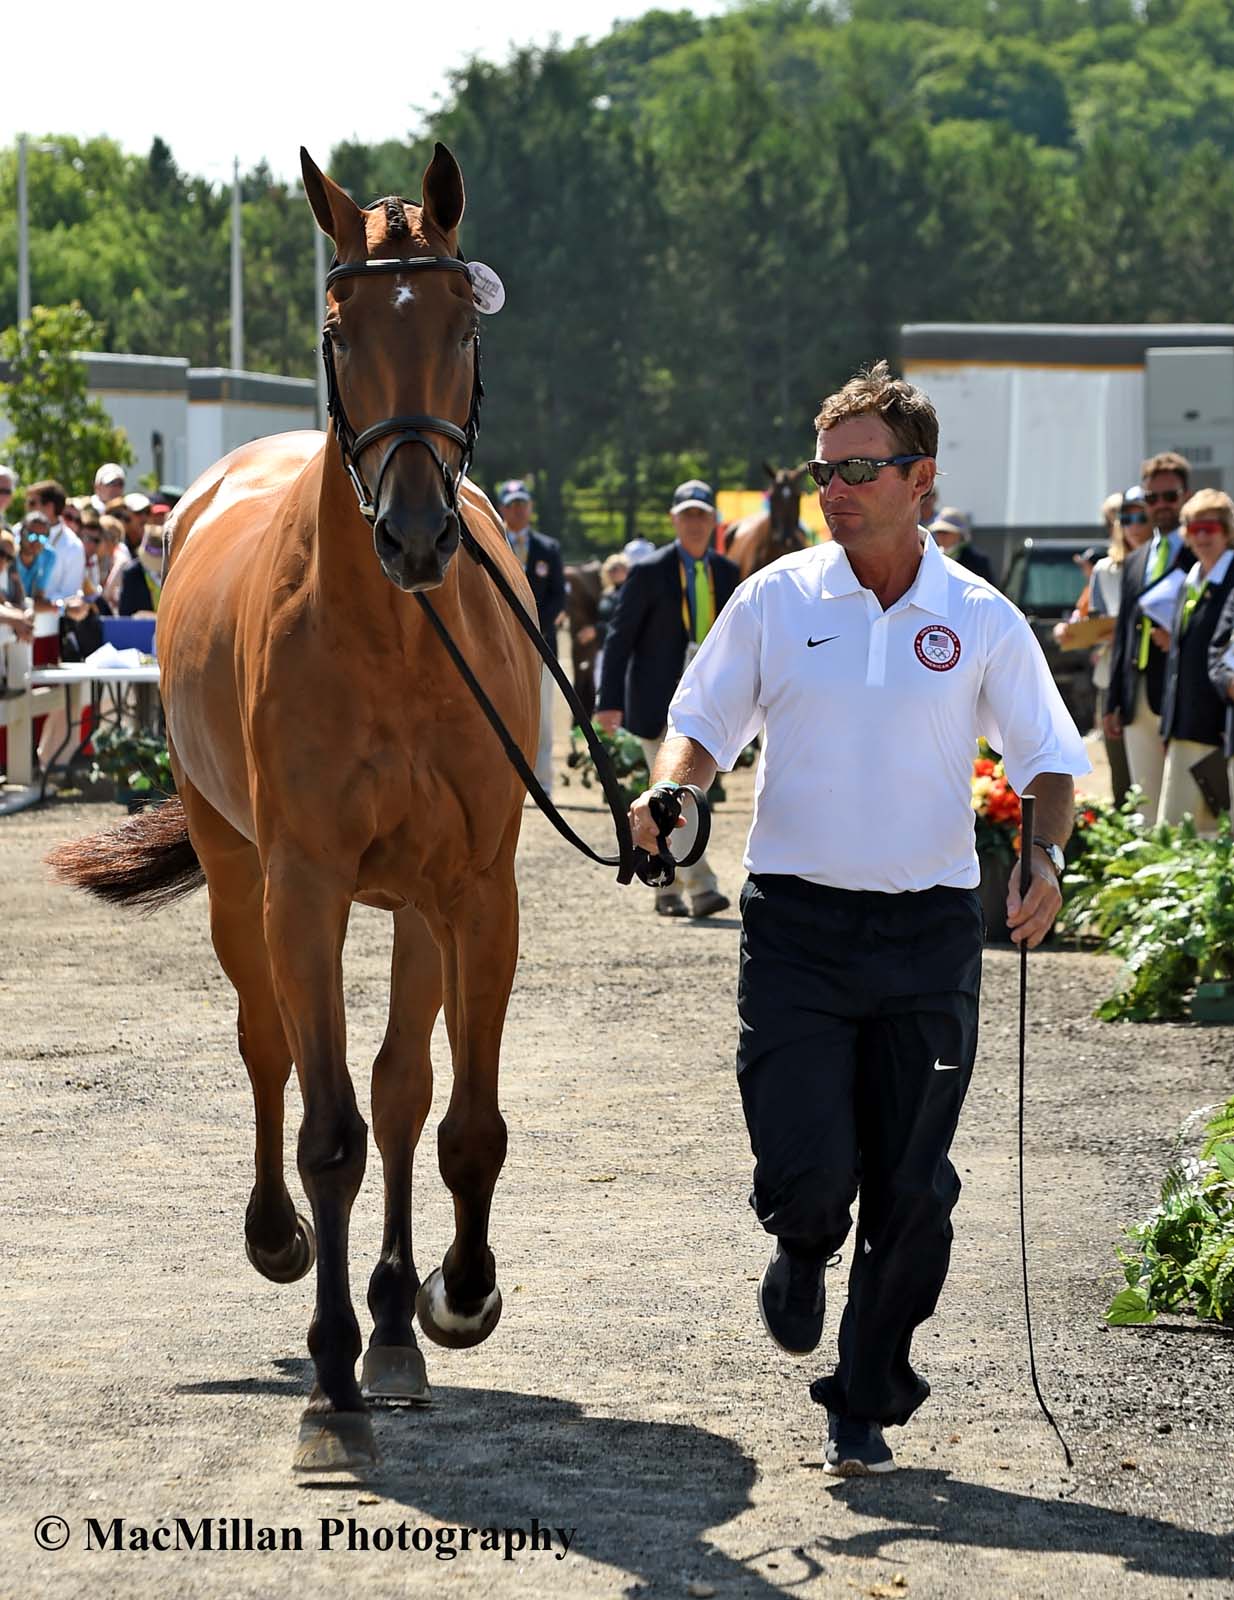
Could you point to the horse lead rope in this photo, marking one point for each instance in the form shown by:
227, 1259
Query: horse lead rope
1028, 804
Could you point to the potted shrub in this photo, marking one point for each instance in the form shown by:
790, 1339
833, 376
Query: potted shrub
996, 819
137, 764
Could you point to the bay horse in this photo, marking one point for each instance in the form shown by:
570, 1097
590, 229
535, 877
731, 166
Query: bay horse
758, 540
326, 752
583, 589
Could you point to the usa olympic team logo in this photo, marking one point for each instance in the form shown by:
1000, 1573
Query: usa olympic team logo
937, 648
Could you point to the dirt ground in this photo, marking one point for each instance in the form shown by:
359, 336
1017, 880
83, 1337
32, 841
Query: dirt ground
629, 1393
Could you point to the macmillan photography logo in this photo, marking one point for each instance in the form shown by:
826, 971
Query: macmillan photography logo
328, 1534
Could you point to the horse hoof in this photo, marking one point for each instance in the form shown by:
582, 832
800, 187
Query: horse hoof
394, 1375
335, 1441
290, 1263
454, 1329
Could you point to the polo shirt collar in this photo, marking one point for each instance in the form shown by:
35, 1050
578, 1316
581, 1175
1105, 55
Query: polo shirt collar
928, 591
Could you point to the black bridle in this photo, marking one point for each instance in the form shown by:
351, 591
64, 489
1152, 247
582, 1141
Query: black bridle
413, 429
657, 869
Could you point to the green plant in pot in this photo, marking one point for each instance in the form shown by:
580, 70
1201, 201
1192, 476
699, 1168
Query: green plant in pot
136, 763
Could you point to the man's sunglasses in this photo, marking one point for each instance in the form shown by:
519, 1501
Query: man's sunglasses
1169, 497
1130, 519
857, 469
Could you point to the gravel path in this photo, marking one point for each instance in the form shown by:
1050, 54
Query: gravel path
629, 1394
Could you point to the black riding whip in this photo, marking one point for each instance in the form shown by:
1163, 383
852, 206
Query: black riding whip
1028, 805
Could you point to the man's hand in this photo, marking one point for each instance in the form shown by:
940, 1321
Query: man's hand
585, 634
1032, 918
609, 721
643, 825
1112, 725
1161, 638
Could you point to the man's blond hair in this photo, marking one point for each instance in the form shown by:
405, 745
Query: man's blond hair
872, 391
1167, 461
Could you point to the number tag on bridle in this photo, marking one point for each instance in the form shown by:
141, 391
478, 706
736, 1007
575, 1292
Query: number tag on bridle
487, 287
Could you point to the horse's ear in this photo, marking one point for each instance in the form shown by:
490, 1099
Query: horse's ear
769, 470
336, 212
442, 188
800, 474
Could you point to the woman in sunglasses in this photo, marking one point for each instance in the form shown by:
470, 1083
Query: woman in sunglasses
1192, 715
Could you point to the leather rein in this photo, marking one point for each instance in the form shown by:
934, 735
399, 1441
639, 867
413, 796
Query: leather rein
416, 429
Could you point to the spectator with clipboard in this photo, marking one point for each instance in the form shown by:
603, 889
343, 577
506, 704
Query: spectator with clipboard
1192, 718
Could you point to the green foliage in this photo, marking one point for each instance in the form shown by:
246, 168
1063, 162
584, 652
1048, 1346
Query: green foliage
624, 751
1183, 1253
135, 762
706, 224
1162, 898
58, 431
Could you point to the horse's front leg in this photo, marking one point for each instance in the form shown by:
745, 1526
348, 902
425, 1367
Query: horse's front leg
402, 1094
306, 910
459, 1304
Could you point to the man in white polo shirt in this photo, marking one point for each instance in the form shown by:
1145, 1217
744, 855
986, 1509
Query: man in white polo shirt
870, 665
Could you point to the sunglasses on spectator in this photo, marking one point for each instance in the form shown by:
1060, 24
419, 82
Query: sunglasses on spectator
1169, 497
1207, 525
856, 469
1130, 519
90, 538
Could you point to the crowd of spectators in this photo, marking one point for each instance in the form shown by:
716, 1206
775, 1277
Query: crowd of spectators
1164, 668
71, 560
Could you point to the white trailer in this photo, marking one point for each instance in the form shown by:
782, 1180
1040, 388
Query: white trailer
1040, 421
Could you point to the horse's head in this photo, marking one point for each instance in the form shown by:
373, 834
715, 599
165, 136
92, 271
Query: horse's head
402, 363
784, 502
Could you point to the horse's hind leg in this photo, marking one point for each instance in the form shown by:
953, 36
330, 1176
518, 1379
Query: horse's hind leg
278, 1241
306, 910
459, 1304
402, 1093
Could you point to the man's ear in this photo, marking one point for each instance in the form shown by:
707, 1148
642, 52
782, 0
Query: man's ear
336, 212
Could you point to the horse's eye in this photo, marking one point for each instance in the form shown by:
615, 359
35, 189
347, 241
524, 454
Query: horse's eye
472, 334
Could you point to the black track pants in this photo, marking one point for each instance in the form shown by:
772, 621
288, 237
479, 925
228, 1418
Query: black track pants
858, 1016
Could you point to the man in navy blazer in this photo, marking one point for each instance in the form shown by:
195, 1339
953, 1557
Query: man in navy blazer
541, 559
664, 610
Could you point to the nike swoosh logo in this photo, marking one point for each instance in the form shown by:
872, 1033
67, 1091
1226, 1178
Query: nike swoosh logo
946, 1066
810, 643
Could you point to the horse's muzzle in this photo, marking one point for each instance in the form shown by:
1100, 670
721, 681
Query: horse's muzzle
416, 550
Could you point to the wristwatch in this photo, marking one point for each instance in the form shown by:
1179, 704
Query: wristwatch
1053, 855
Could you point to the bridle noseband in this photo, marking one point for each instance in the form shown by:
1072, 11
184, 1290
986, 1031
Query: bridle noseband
400, 430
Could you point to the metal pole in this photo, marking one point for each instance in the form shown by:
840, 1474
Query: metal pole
319, 302
237, 273
23, 234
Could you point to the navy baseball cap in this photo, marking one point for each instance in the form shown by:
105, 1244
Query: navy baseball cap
694, 492
513, 489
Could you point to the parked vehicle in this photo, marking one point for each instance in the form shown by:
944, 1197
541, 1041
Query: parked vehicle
1045, 580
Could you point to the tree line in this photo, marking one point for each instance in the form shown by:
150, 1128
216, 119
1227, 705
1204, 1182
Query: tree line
703, 225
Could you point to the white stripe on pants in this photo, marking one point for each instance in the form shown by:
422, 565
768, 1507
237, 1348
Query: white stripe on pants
695, 880
1145, 752
1180, 792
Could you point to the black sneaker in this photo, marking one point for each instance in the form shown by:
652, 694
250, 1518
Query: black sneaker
791, 1300
855, 1449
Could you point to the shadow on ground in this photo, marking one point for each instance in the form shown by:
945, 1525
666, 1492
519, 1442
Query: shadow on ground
641, 1496
930, 1504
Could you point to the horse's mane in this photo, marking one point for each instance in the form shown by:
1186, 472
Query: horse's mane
397, 226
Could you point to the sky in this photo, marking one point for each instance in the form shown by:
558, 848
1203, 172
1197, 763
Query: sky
256, 80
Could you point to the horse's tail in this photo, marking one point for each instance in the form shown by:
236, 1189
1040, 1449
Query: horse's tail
146, 861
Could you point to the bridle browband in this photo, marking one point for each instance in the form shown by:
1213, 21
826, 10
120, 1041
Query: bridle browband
400, 430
